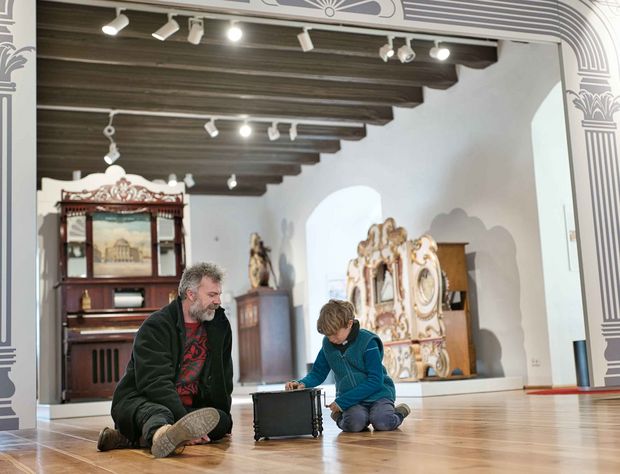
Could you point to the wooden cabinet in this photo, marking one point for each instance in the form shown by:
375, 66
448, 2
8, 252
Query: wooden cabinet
121, 258
456, 314
264, 336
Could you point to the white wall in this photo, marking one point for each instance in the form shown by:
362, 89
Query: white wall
221, 229
460, 166
559, 251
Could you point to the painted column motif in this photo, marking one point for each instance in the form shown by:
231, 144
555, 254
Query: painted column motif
11, 59
598, 108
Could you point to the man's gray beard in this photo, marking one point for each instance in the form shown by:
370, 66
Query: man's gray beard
201, 315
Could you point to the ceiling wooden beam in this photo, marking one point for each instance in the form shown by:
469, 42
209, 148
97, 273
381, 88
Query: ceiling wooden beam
171, 103
46, 164
245, 186
158, 157
99, 49
89, 19
220, 189
151, 80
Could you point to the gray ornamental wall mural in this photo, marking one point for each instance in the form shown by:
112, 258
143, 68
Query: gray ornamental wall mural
11, 59
594, 99
588, 28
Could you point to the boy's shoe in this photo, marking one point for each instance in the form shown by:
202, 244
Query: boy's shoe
194, 425
336, 415
403, 410
112, 439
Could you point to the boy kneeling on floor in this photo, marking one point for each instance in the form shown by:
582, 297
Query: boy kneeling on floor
365, 393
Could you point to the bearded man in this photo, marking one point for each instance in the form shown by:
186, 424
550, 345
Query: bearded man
178, 383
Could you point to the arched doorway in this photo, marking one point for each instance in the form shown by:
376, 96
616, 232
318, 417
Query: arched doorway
333, 230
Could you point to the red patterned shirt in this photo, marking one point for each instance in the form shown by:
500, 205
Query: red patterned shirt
193, 362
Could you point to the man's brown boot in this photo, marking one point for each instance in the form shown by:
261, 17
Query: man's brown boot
112, 439
194, 425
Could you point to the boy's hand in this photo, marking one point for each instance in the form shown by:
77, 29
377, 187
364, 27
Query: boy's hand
293, 385
204, 440
334, 407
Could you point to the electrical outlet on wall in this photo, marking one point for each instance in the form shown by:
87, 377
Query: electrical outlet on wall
535, 362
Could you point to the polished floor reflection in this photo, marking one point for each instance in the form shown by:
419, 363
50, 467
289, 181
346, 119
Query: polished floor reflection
493, 432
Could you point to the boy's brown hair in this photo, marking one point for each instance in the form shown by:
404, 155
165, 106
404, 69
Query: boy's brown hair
334, 315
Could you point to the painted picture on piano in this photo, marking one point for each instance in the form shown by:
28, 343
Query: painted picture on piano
121, 245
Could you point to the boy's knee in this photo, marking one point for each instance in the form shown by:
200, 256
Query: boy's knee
384, 423
353, 424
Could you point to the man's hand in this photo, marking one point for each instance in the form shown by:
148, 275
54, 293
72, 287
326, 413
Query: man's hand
204, 440
334, 407
293, 385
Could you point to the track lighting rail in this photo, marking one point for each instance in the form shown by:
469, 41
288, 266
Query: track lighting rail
241, 118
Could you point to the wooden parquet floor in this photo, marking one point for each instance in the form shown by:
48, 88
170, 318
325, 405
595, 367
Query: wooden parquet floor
494, 432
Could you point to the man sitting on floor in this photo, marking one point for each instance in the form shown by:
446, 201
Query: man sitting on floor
178, 384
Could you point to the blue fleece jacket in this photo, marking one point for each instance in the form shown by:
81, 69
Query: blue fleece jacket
359, 372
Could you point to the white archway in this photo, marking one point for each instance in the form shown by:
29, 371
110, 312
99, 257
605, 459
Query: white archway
333, 230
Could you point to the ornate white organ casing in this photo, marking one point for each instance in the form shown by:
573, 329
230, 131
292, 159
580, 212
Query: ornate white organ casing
395, 285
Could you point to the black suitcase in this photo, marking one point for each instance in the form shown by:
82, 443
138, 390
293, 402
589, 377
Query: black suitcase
287, 413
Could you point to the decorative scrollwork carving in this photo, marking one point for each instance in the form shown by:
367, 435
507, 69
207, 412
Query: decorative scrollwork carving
121, 191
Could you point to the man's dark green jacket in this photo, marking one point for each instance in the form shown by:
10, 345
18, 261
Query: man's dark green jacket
155, 365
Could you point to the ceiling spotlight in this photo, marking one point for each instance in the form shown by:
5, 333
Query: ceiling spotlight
211, 128
232, 182
196, 30
168, 29
112, 155
387, 50
116, 25
172, 179
405, 53
189, 180
305, 41
245, 130
234, 32
293, 132
77, 174
439, 52
272, 132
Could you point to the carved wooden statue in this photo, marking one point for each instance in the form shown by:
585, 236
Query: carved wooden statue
395, 285
260, 264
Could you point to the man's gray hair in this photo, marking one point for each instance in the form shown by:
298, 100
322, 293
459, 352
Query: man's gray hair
192, 276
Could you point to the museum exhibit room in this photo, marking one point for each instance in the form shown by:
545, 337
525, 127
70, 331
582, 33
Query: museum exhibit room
343, 236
